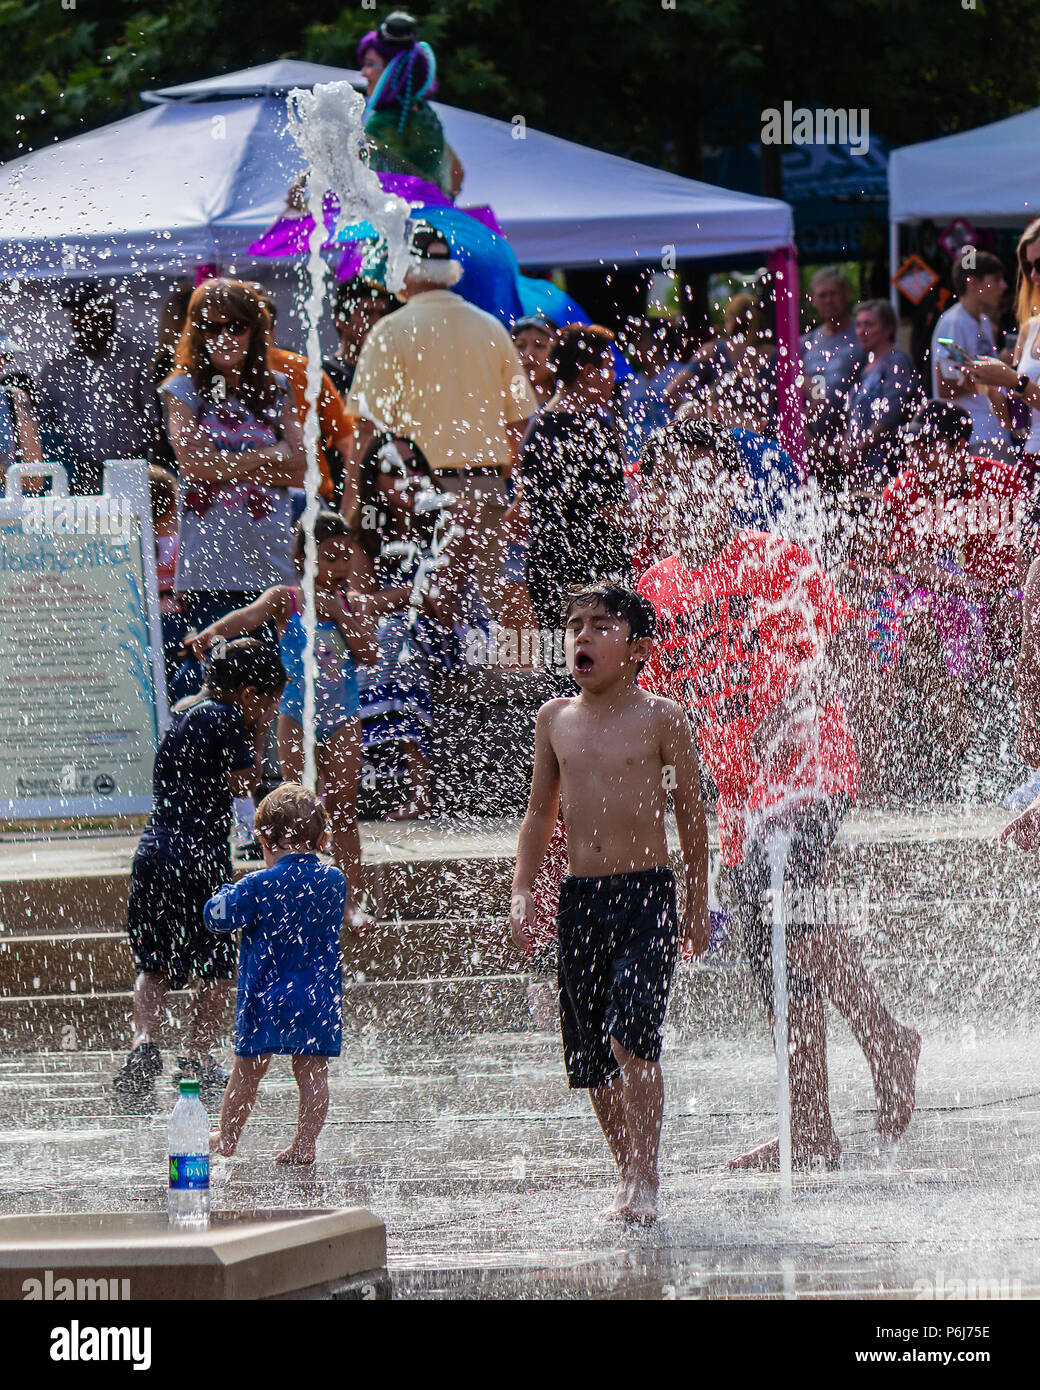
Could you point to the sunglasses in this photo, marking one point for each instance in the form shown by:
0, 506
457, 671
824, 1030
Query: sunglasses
399, 466
236, 327
1032, 267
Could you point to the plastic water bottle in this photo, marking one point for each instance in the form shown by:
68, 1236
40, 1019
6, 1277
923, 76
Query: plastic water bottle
188, 1132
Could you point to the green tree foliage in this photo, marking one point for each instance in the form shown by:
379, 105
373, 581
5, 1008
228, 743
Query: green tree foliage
633, 76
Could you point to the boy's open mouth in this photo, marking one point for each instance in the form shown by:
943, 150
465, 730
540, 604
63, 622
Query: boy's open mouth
583, 662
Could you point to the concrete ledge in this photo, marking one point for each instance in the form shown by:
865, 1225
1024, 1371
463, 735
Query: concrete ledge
96, 962
243, 1255
439, 1008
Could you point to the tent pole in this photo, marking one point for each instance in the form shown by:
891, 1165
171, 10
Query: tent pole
893, 263
783, 266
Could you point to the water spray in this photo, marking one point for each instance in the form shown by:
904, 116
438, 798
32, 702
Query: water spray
328, 125
778, 848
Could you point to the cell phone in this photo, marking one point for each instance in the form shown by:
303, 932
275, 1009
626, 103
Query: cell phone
954, 349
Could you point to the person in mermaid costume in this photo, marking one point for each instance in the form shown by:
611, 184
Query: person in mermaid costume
406, 134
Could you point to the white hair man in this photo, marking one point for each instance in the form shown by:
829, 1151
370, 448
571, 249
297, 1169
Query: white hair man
831, 358
447, 376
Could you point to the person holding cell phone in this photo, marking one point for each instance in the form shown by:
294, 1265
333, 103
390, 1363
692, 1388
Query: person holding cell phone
963, 333
1020, 379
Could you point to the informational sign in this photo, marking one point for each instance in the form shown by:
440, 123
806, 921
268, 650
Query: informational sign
82, 690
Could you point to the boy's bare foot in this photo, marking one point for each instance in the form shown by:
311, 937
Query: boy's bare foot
895, 1077
299, 1154
219, 1145
766, 1157
641, 1207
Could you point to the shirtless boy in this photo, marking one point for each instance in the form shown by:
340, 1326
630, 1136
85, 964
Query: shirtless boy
613, 753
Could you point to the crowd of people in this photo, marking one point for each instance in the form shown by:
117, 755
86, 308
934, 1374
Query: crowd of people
513, 465
472, 476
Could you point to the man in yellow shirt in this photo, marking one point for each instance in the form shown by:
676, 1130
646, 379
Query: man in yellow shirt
446, 375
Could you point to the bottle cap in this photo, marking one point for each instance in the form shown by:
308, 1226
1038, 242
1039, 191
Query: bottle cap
189, 1088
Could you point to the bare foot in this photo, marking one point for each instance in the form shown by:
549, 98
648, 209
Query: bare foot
616, 1210
219, 1145
766, 1157
298, 1154
895, 1077
641, 1207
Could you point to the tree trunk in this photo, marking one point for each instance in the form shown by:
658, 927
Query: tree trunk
772, 170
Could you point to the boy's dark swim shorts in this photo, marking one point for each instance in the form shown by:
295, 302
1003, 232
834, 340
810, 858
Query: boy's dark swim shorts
168, 889
618, 940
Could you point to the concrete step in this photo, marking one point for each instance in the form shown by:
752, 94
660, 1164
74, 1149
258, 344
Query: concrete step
887, 881
419, 888
961, 988
984, 934
98, 962
407, 1010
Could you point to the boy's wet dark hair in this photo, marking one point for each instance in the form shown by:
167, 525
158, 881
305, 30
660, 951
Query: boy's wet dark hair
326, 526
290, 816
689, 436
940, 422
244, 662
626, 604
579, 345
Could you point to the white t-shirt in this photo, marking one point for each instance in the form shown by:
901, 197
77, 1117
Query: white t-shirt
1029, 365
977, 338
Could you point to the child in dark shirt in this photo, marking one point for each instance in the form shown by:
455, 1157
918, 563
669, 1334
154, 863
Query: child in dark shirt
210, 753
289, 982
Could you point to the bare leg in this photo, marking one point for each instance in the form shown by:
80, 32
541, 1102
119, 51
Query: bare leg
892, 1049
290, 748
150, 991
610, 1111
488, 539
208, 1014
417, 771
813, 1140
339, 765
642, 1097
312, 1077
239, 1099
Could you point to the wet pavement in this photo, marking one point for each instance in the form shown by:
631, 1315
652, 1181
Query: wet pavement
489, 1173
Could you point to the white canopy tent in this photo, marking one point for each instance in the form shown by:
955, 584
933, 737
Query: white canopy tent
204, 169
197, 176
986, 175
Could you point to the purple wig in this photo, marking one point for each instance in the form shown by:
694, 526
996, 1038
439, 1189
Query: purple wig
410, 72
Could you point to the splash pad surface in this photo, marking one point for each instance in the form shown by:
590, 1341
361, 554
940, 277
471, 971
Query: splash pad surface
489, 1174
451, 1119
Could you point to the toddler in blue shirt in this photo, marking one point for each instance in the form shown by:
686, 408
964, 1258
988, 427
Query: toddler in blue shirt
290, 996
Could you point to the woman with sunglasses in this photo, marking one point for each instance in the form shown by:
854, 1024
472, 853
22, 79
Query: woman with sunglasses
394, 523
239, 449
1021, 377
